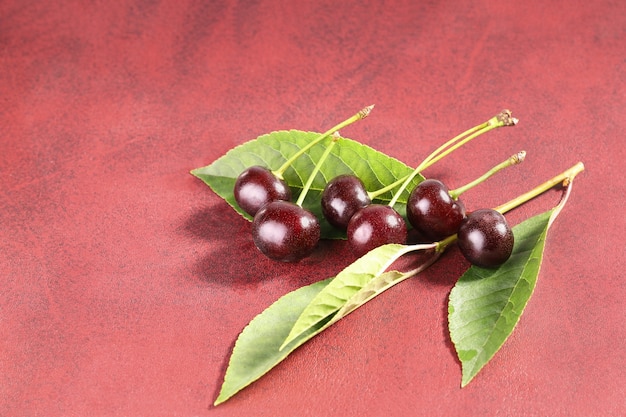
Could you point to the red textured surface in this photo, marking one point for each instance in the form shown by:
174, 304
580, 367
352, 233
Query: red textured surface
126, 280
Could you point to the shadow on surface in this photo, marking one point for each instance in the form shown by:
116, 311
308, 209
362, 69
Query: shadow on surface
213, 223
227, 254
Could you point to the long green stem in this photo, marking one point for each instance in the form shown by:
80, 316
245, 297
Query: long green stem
566, 177
316, 169
512, 160
503, 118
493, 123
362, 114
455, 139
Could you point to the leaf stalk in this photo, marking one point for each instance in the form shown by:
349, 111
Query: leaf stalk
564, 177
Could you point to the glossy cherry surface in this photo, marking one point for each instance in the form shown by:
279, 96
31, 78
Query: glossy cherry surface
285, 231
485, 238
343, 196
373, 226
257, 186
433, 212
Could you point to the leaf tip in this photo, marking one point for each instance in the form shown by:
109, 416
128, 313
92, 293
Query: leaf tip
467, 378
220, 399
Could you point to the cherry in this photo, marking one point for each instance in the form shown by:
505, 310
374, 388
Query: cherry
485, 238
343, 196
432, 211
284, 231
257, 186
373, 226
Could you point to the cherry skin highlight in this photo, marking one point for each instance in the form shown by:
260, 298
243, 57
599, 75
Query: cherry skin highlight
373, 226
433, 212
257, 186
485, 238
343, 196
285, 231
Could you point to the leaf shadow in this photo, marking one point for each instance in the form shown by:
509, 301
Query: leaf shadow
222, 372
446, 272
445, 330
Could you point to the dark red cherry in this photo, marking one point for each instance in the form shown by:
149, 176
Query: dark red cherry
485, 238
432, 212
342, 197
285, 231
374, 226
257, 186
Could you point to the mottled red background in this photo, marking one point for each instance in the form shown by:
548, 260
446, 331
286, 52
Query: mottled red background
126, 280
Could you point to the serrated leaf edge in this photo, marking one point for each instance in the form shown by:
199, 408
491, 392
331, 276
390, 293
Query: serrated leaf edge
470, 372
225, 395
555, 212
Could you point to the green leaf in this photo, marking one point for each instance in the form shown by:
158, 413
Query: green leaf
374, 168
380, 283
257, 348
486, 304
345, 285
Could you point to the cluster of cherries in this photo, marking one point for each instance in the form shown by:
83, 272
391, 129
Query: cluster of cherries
286, 231
484, 236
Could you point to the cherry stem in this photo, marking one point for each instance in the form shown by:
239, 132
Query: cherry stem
373, 194
503, 118
512, 160
565, 178
316, 169
362, 114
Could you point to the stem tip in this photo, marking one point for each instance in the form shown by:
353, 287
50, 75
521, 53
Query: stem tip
506, 118
365, 112
519, 157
